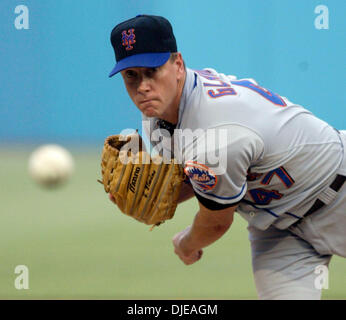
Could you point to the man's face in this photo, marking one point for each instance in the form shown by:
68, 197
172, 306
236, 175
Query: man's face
156, 91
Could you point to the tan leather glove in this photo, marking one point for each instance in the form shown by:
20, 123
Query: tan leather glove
143, 187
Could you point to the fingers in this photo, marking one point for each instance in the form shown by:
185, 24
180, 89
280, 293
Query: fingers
200, 254
111, 198
176, 240
186, 259
194, 257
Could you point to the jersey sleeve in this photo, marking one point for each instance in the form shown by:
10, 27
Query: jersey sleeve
218, 161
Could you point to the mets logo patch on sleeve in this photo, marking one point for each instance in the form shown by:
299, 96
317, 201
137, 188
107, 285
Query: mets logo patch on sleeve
200, 175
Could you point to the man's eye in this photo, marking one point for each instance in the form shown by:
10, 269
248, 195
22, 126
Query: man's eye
150, 72
131, 74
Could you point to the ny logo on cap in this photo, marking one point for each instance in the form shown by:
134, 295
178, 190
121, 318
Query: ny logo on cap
128, 39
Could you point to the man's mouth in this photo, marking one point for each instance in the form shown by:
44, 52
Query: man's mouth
145, 101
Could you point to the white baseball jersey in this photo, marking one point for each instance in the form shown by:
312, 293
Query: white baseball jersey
279, 156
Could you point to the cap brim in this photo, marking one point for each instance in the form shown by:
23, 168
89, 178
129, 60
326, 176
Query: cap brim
145, 60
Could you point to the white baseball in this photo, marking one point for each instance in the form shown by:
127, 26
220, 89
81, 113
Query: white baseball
50, 165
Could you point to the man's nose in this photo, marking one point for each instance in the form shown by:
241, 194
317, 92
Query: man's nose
144, 85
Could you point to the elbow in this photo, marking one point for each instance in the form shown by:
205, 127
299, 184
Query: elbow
222, 228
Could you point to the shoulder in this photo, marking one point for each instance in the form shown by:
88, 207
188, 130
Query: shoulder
217, 163
213, 100
232, 139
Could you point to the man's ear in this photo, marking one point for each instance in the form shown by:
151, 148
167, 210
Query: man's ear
180, 64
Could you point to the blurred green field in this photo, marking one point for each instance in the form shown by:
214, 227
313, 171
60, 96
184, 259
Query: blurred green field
78, 246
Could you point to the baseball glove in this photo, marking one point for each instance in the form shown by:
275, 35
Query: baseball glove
144, 187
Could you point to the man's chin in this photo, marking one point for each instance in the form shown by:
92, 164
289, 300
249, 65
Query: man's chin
149, 112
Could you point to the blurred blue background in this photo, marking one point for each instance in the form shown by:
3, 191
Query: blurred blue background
54, 84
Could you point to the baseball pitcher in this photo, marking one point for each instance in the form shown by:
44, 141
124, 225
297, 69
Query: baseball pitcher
235, 146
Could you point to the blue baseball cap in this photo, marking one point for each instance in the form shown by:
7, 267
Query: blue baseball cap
143, 41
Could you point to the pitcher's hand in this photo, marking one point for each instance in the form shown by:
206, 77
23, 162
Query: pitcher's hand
182, 252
